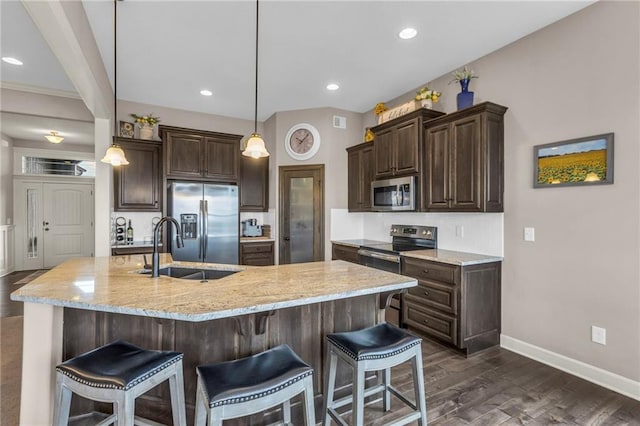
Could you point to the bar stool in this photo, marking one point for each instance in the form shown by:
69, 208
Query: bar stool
249, 385
375, 348
118, 373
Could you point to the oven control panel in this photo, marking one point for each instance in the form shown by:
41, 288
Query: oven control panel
414, 231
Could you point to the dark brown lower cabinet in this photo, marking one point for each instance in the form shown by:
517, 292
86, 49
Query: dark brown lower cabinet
257, 254
346, 253
459, 305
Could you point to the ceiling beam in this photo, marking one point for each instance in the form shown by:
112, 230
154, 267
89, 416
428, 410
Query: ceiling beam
65, 27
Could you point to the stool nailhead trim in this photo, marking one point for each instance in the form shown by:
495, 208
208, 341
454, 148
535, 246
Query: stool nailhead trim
134, 382
373, 356
262, 394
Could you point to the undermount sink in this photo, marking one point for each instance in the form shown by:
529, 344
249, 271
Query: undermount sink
193, 273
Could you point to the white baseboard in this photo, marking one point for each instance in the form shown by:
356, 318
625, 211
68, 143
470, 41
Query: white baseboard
577, 368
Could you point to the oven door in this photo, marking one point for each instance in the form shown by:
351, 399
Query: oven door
389, 263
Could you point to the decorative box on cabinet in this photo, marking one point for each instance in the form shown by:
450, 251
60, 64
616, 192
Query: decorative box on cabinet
344, 252
258, 253
359, 176
465, 161
254, 184
136, 187
201, 155
459, 305
397, 147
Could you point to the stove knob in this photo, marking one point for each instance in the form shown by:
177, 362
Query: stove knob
394, 230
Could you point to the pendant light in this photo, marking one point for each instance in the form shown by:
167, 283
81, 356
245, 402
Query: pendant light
115, 155
53, 137
255, 145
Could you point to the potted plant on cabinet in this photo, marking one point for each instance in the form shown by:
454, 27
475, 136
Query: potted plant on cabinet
465, 97
146, 123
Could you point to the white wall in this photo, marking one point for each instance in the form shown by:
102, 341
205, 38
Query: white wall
574, 78
6, 180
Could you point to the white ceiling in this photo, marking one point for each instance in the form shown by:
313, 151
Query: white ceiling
169, 50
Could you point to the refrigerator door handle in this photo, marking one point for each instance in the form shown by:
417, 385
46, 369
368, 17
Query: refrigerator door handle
205, 235
200, 248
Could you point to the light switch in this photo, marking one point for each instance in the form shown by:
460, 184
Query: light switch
529, 234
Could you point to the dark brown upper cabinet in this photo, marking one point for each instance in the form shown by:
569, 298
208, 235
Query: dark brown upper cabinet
254, 184
201, 155
464, 169
137, 185
359, 176
398, 151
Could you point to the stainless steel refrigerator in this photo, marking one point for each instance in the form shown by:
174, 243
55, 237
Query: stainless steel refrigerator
209, 217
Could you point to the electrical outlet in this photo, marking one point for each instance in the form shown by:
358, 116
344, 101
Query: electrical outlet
599, 335
529, 234
460, 231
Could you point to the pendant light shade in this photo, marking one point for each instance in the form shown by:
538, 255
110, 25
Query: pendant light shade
53, 137
115, 155
255, 144
255, 147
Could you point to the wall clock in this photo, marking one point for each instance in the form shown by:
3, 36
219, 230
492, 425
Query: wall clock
302, 141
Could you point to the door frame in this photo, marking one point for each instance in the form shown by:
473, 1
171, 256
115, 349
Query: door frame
318, 239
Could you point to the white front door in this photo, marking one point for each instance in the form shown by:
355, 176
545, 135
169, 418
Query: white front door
54, 222
67, 222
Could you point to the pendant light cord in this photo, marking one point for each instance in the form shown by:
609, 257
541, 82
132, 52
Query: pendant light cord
115, 68
255, 112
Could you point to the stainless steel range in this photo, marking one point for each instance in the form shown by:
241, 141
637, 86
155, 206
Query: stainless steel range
387, 256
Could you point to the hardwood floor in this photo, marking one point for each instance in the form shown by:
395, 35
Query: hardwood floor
494, 387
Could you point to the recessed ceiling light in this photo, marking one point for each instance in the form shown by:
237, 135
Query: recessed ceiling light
332, 86
206, 92
407, 33
12, 61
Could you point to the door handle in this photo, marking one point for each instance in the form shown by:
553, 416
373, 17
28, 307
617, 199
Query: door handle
286, 238
46, 229
205, 235
45, 223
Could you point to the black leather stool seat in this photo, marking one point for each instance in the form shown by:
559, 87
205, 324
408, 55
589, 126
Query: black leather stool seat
253, 377
118, 365
380, 341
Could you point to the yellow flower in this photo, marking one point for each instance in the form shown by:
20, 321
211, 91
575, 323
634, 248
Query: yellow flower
379, 108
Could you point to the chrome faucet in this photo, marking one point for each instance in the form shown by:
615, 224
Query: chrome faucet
155, 260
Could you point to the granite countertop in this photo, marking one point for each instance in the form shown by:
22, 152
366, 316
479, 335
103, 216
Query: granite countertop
358, 242
112, 284
452, 257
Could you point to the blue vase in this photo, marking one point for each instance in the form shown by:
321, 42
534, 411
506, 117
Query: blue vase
465, 97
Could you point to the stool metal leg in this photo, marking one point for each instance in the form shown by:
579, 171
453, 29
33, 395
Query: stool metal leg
386, 397
201, 406
62, 403
176, 386
329, 386
358, 395
418, 384
286, 412
310, 414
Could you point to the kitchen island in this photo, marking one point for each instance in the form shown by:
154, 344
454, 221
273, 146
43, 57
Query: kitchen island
87, 302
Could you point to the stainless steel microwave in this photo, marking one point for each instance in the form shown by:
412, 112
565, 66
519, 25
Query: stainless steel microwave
394, 194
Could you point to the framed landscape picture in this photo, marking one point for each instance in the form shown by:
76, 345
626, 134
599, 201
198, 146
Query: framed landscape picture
581, 161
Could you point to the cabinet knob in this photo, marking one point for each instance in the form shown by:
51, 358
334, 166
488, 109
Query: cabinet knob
426, 271
426, 293
426, 321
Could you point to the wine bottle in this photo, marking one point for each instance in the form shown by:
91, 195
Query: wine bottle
129, 233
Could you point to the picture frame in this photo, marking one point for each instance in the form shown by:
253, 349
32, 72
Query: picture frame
574, 162
127, 129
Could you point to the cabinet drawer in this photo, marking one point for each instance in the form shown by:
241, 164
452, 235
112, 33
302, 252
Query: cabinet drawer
257, 260
425, 270
431, 322
346, 253
435, 295
257, 247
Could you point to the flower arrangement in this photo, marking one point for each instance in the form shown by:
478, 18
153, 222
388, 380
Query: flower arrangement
146, 119
464, 74
379, 108
426, 93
